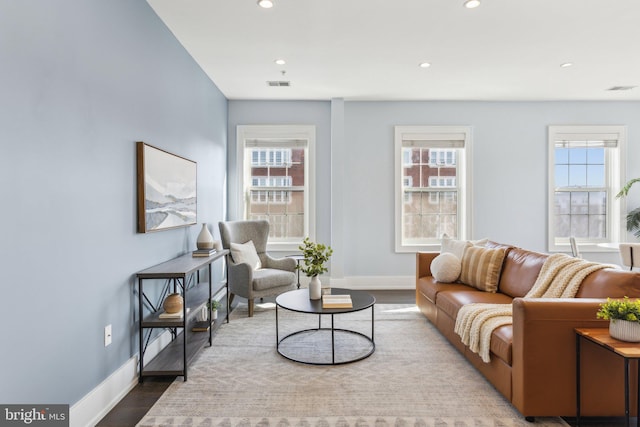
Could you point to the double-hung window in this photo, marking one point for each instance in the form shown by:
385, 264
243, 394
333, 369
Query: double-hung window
432, 187
276, 180
585, 173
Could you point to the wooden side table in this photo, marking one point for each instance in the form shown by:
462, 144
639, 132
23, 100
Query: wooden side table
627, 350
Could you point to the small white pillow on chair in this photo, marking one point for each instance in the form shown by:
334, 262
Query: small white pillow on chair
446, 268
245, 253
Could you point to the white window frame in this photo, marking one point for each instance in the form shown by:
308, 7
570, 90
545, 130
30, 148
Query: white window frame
614, 177
275, 137
431, 134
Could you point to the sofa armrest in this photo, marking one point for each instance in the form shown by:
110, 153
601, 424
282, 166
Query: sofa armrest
544, 352
423, 263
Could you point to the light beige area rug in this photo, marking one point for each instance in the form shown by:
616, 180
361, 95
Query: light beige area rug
414, 378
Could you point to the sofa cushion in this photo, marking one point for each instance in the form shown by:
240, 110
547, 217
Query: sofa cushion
446, 267
609, 283
502, 342
450, 301
520, 271
481, 267
492, 244
430, 288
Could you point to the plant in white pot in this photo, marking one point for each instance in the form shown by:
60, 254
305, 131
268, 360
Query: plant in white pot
316, 256
624, 318
214, 305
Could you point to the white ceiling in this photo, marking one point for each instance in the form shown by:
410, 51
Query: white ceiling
370, 49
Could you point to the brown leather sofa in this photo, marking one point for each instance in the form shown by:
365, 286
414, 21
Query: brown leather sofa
533, 361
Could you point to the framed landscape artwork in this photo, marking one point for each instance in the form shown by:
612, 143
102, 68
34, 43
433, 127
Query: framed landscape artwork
166, 189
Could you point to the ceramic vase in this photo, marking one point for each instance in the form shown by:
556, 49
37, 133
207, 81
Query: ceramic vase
172, 303
624, 330
214, 314
205, 239
315, 288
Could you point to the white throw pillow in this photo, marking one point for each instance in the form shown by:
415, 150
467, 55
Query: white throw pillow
245, 253
457, 247
453, 246
446, 268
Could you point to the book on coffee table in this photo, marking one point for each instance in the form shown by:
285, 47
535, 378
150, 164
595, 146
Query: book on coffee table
336, 301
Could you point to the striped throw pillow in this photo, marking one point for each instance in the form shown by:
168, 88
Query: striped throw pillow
481, 267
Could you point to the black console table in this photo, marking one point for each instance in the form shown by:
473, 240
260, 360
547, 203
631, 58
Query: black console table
175, 357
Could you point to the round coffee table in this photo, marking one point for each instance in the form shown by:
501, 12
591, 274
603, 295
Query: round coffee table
298, 301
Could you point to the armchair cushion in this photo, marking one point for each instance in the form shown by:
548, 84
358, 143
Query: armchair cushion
245, 253
267, 278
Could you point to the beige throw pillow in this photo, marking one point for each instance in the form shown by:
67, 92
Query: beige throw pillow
245, 253
481, 267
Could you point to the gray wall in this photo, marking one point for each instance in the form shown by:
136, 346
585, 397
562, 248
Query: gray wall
80, 82
509, 168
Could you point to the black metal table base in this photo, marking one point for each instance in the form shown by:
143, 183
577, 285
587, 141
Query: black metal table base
333, 331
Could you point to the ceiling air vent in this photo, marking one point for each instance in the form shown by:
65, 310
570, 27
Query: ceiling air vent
622, 87
278, 83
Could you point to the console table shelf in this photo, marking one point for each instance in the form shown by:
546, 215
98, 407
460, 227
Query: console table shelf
167, 364
195, 298
185, 345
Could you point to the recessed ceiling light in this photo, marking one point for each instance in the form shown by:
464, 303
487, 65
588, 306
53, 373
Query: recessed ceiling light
280, 61
470, 4
566, 64
267, 4
424, 65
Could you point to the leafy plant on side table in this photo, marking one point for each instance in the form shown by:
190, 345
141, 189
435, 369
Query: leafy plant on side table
633, 217
624, 318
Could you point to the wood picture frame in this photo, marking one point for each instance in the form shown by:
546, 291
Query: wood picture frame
167, 189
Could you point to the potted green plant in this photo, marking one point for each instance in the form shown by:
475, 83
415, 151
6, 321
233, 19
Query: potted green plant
214, 305
624, 318
316, 256
633, 217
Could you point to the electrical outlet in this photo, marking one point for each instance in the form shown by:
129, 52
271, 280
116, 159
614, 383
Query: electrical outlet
107, 335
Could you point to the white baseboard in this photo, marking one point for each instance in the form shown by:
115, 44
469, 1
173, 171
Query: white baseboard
89, 410
375, 282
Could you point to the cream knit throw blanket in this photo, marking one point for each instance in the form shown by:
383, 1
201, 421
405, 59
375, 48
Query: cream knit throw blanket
560, 277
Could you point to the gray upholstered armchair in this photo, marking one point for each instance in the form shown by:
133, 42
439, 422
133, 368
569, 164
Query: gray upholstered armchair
248, 276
